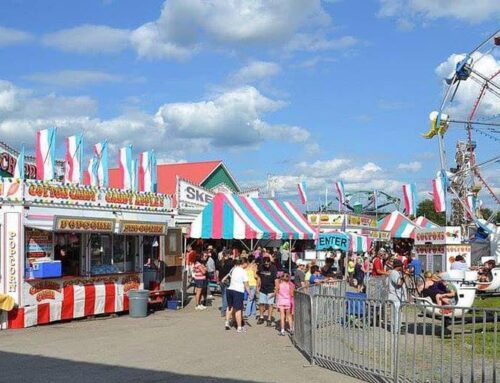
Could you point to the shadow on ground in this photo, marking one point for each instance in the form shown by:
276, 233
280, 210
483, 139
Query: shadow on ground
37, 369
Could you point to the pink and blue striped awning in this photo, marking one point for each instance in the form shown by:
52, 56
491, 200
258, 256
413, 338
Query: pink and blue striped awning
359, 243
398, 225
424, 223
229, 216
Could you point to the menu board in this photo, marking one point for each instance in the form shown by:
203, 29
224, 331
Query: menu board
38, 243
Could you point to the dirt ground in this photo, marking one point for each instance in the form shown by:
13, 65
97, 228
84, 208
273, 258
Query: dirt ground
167, 346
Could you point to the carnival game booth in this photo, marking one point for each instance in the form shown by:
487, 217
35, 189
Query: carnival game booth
362, 225
71, 251
437, 247
341, 241
231, 216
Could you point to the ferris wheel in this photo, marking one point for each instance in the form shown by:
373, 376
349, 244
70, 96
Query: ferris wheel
469, 114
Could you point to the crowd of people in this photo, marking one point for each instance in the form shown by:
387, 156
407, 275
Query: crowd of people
255, 285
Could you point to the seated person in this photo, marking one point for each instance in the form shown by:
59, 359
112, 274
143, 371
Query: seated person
316, 276
435, 289
485, 274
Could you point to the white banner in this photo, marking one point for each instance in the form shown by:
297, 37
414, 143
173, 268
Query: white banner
190, 195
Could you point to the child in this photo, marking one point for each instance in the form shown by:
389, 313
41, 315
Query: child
284, 293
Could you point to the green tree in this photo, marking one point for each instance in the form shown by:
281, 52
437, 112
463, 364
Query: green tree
486, 213
426, 209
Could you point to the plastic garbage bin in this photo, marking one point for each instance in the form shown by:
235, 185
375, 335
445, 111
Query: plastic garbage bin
138, 303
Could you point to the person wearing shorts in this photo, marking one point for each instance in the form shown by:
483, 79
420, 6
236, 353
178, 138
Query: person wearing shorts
235, 293
200, 281
284, 294
267, 275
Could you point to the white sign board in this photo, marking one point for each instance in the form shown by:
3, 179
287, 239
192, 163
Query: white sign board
190, 195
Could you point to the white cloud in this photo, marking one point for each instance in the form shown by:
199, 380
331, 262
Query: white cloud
73, 78
469, 90
9, 36
255, 71
233, 118
322, 168
411, 167
359, 174
406, 11
89, 39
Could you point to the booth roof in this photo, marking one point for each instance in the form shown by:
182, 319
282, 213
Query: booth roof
195, 172
230, 216
425, 223
398, 225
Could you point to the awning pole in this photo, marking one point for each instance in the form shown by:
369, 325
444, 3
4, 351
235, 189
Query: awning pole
244, 244
184, 272
290, 257
251, 244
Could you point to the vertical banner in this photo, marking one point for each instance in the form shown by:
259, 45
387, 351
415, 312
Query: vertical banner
13, 260
302, 187
92, 169
410, 198
147, 171
73, 161
101, 154
341, 194
45, 154
134, 176
19, 169
439, 194
126, 171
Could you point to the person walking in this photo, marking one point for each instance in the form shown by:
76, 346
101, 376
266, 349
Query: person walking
210, 271
225, 267
267, 275
251, 309
396, 293
300, 277
235, 293
284, 293
200, 281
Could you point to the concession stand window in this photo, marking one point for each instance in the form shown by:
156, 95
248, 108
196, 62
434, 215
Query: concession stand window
126, 253
173, 251
68, 250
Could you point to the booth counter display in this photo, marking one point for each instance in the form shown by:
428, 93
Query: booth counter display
71, 251
438, 247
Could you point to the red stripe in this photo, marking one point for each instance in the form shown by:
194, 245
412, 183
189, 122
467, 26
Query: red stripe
125, 302
217, 213
286, 214
38, 158
43, 313
437, 199
141, 174
300, 221
406, 194
68, 303
89, 300
272, 234
16, 318
275, 216
121, 170
109, 302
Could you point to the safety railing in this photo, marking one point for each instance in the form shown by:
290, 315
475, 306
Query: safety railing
380, 340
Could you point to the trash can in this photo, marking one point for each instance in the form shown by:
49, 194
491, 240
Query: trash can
138, 303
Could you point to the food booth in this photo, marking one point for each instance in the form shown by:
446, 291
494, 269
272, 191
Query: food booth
437, 247
70, 251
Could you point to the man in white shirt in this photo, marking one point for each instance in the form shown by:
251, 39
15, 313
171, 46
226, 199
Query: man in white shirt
235, 293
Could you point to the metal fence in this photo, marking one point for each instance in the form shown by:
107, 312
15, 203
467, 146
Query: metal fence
378, 340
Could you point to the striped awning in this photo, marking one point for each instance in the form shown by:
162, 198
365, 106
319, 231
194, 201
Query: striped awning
229, 216
359, 243
398, 225
424, 223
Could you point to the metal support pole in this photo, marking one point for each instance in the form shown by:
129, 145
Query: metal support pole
290, 257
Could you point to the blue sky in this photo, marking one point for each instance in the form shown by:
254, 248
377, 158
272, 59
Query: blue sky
318, 90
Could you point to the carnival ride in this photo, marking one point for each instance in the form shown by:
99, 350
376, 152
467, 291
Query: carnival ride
475, 73
366, 201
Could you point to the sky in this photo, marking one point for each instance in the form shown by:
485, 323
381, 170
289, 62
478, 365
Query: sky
297, 90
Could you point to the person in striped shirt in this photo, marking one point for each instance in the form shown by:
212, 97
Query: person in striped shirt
200, 281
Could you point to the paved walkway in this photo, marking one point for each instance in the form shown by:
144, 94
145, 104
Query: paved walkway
168, 346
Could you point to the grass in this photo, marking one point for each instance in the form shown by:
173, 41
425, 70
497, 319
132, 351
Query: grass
488, 303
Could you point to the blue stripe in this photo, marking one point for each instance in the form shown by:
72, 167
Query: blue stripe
296, 222
206, 221
239, 202
284, 230
401, 228
227, 221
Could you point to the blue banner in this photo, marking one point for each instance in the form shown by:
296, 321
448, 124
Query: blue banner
336, 241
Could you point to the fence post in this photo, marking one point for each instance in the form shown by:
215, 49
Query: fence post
395, 337
313, 327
